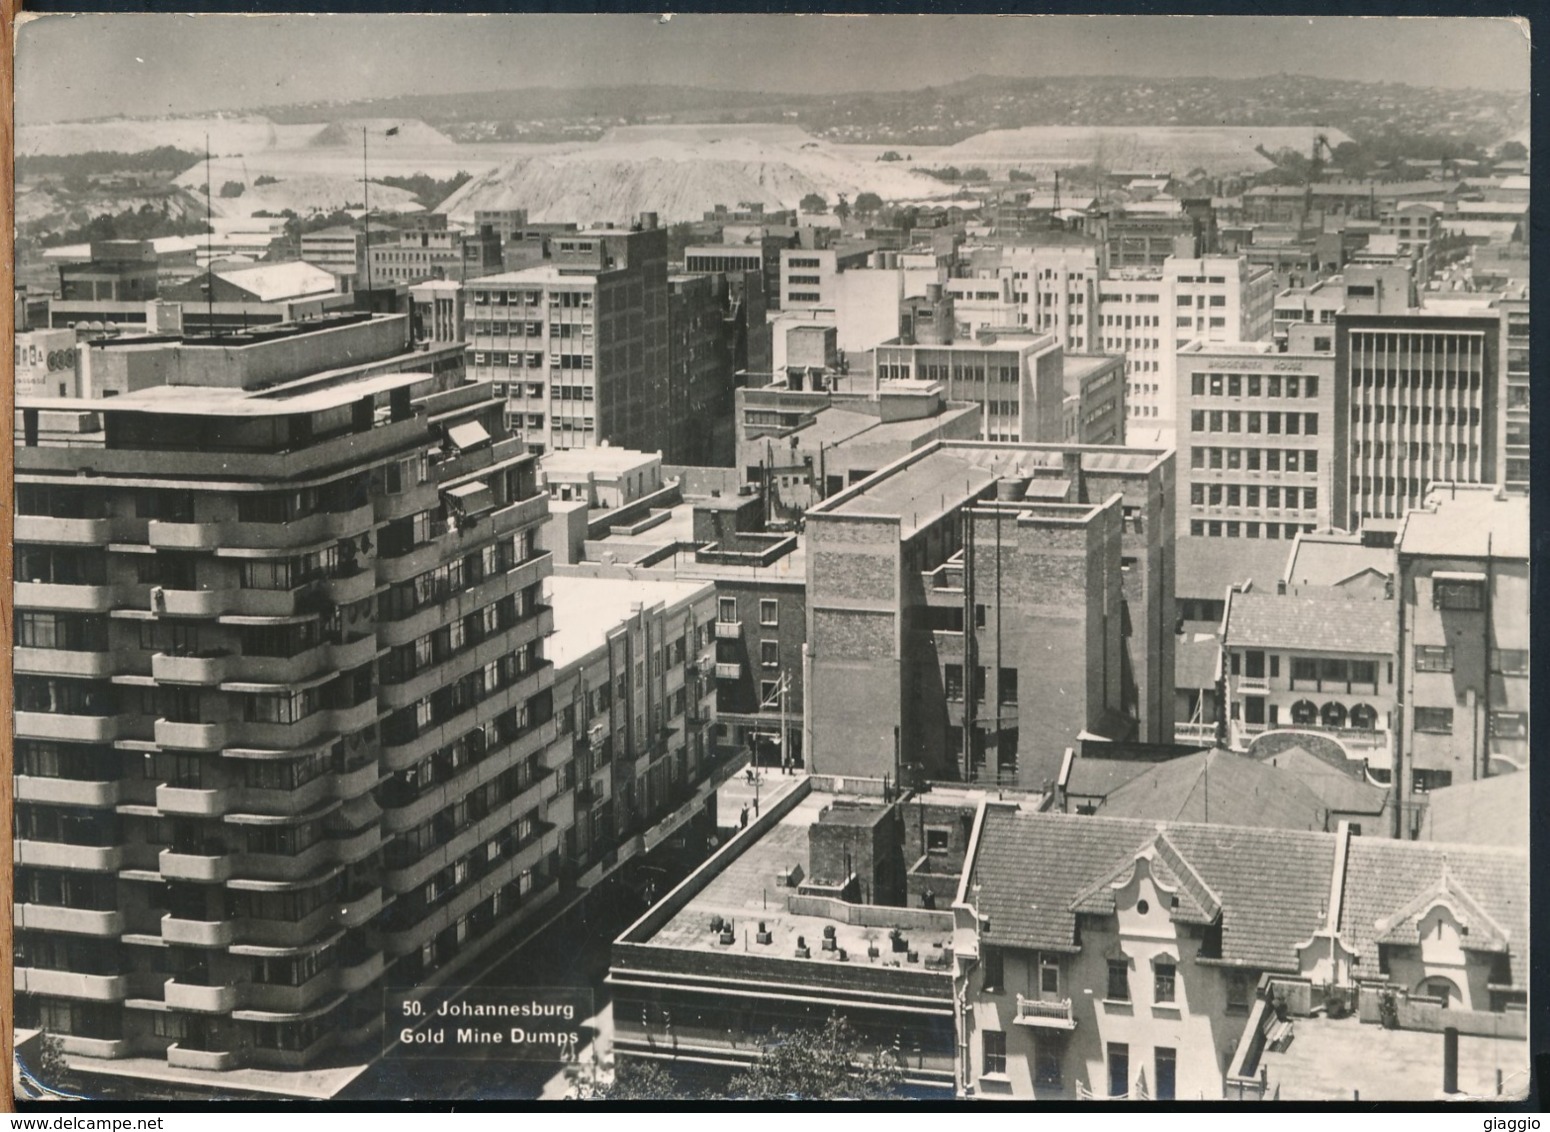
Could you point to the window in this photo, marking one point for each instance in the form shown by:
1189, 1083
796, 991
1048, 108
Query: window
1451, 593
1119, 980
952, 680
727, 609
938, 839
1240, 990
1509, 725
769, 654
769, 611
1046, 1067
1435, 721
1433, 658
1008, 686
1508, 662
1164, 975
1049, 974
995, 1052
995, 968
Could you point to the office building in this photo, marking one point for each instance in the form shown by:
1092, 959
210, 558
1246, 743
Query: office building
1095, 399
578, 347
970, 586
428, 249
1463, 650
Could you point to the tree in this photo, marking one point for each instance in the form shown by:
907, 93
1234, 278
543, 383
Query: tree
891, 155
53, 1069
264, 179
639, 1081
1019, 175
868, 204
814, 202
842, 209
975, 174
1512, 151
830, 1063
233, 189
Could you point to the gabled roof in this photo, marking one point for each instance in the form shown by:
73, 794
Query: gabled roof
1310, 622
1485, 934
1385, 879
1270, 885
1194, 902
272, 282
1341, 789
1218, 786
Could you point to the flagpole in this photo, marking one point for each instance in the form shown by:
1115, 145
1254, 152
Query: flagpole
366, 220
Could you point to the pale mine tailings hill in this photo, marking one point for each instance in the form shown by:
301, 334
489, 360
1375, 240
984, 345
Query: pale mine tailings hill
682, 172
1219, 150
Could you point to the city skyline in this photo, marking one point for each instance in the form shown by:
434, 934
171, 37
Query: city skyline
156, 64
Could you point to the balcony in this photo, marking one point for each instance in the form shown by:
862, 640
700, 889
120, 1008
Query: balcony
1253, 685
63, 855
66, 791
207, 670
206, 1000
192, 801
62, 662
360, 909
56, 595
72, 728
1203, 733
192, 603
350, 588
67, 984
177, 735
78, 921
729, 630
209, 868
74, 532
165, 535
729, 670
1045, 1015
198, 933
181, 1057
361, 975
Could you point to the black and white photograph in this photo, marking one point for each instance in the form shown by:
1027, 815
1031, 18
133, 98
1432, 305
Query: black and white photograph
742, 557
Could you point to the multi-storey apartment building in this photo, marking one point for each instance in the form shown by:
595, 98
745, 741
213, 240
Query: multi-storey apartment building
1513, 441
270, 600
1463, 642
1014, 376
970, 586
1425, 395
578, 347
1259, 440
1317, 660
1102, 958
633, 704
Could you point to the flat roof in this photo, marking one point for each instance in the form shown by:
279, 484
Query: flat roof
747, 892
544, 273
585, 609
1078, 367
1332, 557
205, 400
599, 461
1468, 522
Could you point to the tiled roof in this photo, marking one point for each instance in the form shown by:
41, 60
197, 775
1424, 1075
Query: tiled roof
1491, 811
1342, 790
1328, 560
1194, 660
1313, 622
1385, 878
1220, 786
1098, 778
1271, 884
1205, 567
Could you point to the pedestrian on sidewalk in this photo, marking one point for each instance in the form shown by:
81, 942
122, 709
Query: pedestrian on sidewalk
743, 821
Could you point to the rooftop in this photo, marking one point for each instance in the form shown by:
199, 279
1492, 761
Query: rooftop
748, 891
205, 400
272, 282
1194, 659
1314, 621
1079, 367
1205, 567
1218, 784
585, 609
1467, 522
1332, 557
601, 461
544, 273
1489, 811
1341, 789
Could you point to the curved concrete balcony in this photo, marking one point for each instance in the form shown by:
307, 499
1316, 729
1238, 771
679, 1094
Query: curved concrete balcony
72, 728
351, 654
353, 783
205, 670
288, 933
62, 855
190, 736
354, 979
279, 669
349, 720
275, 998
192, 801
194, 866
350, 588
54, 595
421, 497
78, 921
198, 933
107, 1049
67, 984
360, 910
192, 603
75, 532
205, 1000
402, 567
180, 1057
62, 662
358, 846
66, 791
166, 535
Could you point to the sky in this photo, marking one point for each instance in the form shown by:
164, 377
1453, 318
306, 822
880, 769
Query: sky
86, 66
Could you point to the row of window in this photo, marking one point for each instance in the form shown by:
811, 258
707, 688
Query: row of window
1006, 683
1250, 495
1200, 528
1417, 415
1234, 420
1503, 724
1439, 658
1253, 385
515, 360
1255, 459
